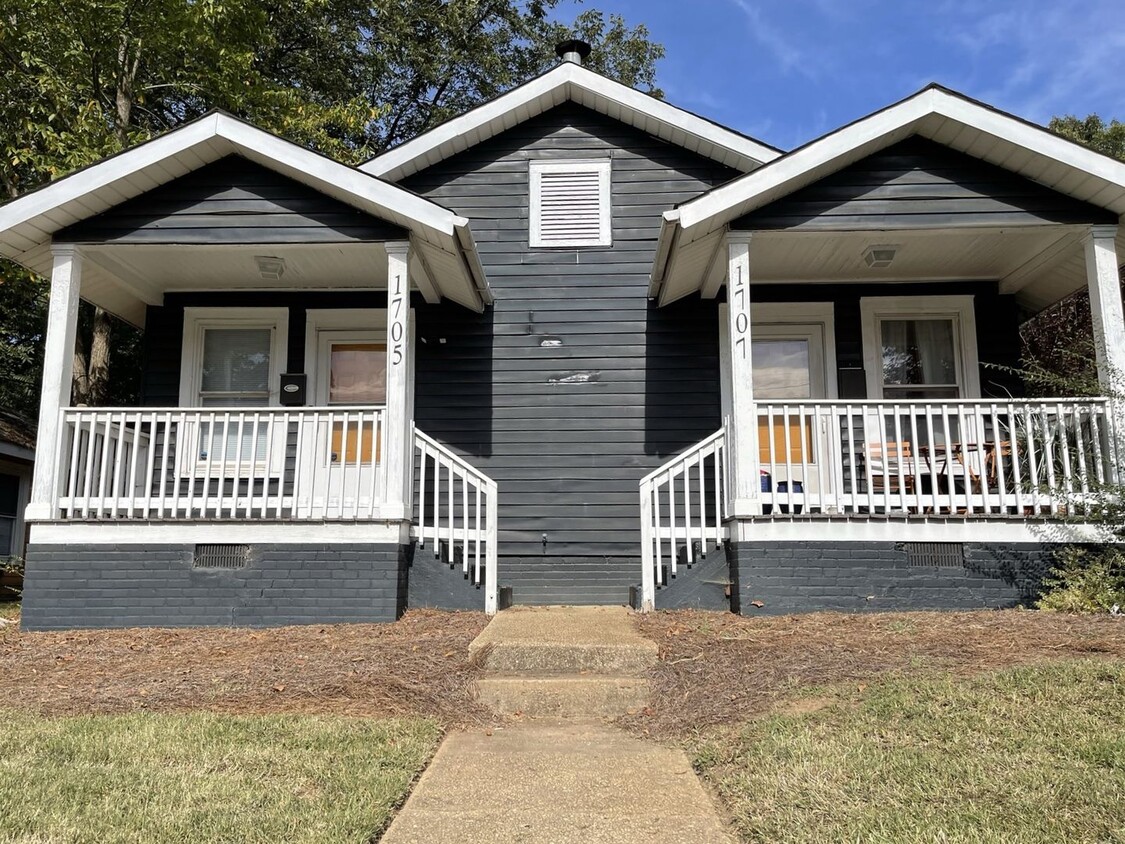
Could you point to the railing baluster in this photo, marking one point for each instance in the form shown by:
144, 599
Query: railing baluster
1049, 459
119, 459
75, 426
687, 511
477, 534
91, 450
915, 454
449, 517
672, 545
899, 449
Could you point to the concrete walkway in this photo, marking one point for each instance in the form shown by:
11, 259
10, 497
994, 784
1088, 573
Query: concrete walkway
550, 779
557, 783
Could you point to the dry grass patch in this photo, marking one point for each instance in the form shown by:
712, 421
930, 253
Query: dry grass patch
417, 666
204, 778
719, 668
1033, 754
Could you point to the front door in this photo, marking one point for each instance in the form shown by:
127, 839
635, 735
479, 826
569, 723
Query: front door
351, 383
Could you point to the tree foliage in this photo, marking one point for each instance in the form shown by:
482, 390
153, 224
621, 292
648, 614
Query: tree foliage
82, 79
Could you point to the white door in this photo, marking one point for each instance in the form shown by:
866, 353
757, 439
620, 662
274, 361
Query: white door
790, 367
350, 382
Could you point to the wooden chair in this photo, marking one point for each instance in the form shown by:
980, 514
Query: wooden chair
891, 470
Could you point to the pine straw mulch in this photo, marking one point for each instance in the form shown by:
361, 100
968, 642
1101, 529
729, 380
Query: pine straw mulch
718, 669
417, 666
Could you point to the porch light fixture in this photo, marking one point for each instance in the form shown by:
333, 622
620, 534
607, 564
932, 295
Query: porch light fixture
270, 268
879, 256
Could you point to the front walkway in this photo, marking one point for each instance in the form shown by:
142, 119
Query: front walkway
560, 780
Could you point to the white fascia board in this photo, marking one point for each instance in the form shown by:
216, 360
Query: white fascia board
545, 92
472, 259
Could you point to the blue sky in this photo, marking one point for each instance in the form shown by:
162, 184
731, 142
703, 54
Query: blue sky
786, 71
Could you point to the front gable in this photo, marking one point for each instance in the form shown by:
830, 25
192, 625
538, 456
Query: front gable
919, 183
231, 201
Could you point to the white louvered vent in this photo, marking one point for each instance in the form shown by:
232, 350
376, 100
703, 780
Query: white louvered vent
570, 203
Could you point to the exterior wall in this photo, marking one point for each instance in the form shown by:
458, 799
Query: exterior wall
919, 183
232, 201
69, 586
864, 576
572, 386
997, 318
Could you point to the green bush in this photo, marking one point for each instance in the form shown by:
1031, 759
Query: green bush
10, 566
1085, 580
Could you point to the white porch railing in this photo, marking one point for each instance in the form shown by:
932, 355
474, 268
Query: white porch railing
455, 513
970, 457
683, 508
228, 463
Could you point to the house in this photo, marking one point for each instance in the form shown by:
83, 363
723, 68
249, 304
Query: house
572, 345
17, 455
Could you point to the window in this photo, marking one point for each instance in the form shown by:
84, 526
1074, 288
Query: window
232, 358
570, 203
920, 347
9, 505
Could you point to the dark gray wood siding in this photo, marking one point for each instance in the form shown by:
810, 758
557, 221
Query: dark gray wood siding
572, 386
231, 201
920, 184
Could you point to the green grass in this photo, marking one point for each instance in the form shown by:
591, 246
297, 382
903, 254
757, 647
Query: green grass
204, 778
1025, 755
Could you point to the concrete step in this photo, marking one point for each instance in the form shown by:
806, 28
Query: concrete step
565, 640
593, 696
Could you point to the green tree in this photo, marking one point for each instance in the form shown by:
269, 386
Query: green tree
81, 79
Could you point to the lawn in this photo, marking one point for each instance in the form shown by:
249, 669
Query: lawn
204, 777
1030, 754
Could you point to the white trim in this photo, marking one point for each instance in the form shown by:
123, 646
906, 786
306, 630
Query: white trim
570, 82
959, 309
189, 533
197, 320
536, 170
22, 473
914, 529
336, 319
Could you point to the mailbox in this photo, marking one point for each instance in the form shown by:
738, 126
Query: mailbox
293, 389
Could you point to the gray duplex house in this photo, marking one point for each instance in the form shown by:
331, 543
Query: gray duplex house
576, 345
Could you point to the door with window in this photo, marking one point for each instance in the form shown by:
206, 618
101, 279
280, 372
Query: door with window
350, 380
789, 367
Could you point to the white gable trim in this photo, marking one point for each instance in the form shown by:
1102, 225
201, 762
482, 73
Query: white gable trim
575, 83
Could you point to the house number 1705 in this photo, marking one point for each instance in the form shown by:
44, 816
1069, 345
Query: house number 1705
398, 323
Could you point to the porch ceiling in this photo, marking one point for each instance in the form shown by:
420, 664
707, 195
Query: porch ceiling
1039, 265
124, 279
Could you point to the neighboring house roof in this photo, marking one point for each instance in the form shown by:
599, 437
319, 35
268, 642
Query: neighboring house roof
692, 233
17, 438
449, 264
572, 82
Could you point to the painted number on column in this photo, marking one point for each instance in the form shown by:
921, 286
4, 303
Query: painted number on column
741, 317
398, 323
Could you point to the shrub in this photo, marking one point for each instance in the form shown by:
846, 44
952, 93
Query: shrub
11, 577
1085, 580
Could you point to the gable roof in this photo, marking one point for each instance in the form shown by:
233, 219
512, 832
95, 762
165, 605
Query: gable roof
17, 437
694, 229
443, 238
571, 82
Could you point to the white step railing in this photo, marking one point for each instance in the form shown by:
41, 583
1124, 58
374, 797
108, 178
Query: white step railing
228, 463
455, 513
683, 508
1024, 457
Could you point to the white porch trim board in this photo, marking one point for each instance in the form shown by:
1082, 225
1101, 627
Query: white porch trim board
391, 532
743, 450
1104, 281
867, 528
58, 370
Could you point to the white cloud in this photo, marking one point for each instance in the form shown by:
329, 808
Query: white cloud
789, 56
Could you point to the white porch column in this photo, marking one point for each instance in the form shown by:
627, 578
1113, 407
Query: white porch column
58, 365
1109, 325
397, 443
742, 427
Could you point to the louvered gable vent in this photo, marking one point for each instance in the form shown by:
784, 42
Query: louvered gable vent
570, 203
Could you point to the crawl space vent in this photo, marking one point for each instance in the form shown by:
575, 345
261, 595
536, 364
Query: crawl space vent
935, 554
220, 556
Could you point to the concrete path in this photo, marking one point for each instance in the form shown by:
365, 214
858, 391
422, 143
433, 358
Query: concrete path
557, 783
553, 781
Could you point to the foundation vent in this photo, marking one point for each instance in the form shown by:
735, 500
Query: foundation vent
220, 556
935, 554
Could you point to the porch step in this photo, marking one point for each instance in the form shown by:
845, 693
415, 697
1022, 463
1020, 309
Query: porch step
564, 662
553, 696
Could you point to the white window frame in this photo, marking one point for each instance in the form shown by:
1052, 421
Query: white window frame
959, 309
196, 322
603, 167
